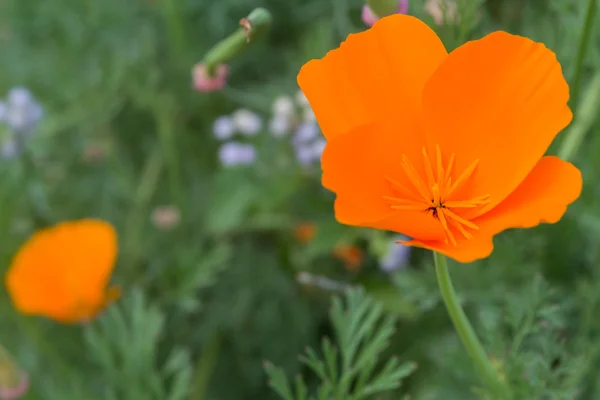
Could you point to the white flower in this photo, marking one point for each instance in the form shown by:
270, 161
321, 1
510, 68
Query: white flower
223, 127
247, 122
234, 153
19, 97
306, 132
301, 99
308, 115
283, 106
280, 125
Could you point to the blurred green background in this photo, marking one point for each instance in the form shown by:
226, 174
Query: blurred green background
218, 266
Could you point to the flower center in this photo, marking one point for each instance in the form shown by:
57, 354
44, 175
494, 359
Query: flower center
434, 195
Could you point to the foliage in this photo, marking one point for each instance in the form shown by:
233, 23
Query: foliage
210, 297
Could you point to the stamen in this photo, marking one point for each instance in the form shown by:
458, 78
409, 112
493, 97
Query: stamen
434, 196
463, 177
428, 168
414, 178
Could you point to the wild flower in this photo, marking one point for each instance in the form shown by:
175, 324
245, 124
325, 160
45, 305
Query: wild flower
62, 272
165, 218
224, 127
203, 82
234, 154
369, 17
19, 116
247, 122
396, 256
439, 171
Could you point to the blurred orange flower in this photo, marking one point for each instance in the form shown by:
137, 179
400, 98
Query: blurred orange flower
62, 272
447, 149
305, 231
351, 255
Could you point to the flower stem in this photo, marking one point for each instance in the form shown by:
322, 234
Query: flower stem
251, 26
583, 45
464, 329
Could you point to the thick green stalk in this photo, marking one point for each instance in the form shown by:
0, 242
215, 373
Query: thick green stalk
465, 331
583, 45
254, 24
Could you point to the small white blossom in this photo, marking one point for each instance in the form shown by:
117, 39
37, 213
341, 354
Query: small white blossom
17, 118
280, 125
301, 99
223, 127
247, 122
283, 106
247, 154
308, 115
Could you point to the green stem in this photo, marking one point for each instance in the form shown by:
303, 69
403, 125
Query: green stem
464, 329
174, 21
381, 8
586, 115
254, 24
583, 44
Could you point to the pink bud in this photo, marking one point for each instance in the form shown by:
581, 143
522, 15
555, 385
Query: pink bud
17, 391
206, 83
369, 17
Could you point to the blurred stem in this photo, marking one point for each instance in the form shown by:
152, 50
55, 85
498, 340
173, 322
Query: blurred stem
165, 125
381, 8
175, 25
206, 366
586, 115
35, 192
464, 329
250, 27
583, 45
142, 196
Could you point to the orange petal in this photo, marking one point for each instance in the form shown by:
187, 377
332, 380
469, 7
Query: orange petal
543, 196
465, 251
374, 76
355, 166
502, 100
62, 272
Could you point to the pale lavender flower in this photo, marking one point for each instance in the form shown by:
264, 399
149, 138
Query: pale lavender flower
247, 122
317, 147
396, 256
9, 148
233, 154
223, 127
305, 154
305, 132
21, 111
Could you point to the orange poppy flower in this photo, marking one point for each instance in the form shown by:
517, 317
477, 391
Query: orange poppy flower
62, 272
447, 149
351, 255
305, 231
